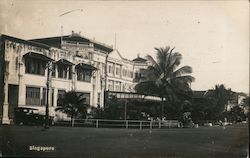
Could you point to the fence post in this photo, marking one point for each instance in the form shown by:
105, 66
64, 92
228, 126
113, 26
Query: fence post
73, 121
150, 124
159, 123
126, 123
140, 125
97, 124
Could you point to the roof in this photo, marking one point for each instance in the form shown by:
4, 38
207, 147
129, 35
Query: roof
198, 94
33, 43
102, 47
210, 93
56, 41
139, 59
64, 61
116, 54
86, 66
207, 93
38, 56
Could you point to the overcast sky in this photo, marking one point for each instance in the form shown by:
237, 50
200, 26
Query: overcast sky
212, 36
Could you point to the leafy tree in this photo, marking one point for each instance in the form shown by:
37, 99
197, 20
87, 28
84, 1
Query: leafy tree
236, 114
222, 96
246, 106
114, 109
73, 104
97, 112
246, 102
163, 78
203, 109
239, 112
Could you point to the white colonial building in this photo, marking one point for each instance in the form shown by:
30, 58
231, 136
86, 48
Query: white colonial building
65, 63
119, 73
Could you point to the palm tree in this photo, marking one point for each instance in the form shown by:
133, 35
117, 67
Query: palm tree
73, 104
163, 77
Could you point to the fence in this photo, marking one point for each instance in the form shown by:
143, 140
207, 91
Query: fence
102, 123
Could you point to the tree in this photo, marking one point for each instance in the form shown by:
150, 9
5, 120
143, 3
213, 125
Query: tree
114, 109
163, 78
97, 112
73, 104
236, 114
246, 106
246, 102
222, 96
203, 109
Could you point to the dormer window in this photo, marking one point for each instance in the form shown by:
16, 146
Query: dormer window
84, 72
64, 68
35, 63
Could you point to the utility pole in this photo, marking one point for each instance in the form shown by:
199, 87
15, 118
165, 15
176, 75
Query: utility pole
47, 95
115, 41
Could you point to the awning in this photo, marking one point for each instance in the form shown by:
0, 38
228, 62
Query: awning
38, 56
86, 66
66, 62
132, 96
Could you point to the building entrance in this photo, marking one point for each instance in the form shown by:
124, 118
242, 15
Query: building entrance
12, 99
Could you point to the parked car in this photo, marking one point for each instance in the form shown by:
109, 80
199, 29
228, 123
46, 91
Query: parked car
29, 116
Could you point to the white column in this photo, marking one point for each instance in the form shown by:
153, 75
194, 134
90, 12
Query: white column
56, 71
21, 87
114, 69
74, 77
41, 96
55, 97
6, 119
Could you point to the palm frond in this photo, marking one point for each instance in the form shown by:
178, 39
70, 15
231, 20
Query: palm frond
168, 59
147, 88
154, 63
182, 70
161, 53
184, 79
151, 73
174, 61
161, 56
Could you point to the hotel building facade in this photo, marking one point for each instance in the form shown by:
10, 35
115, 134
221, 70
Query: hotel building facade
62, 63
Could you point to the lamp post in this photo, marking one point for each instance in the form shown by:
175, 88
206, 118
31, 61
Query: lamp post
47, 95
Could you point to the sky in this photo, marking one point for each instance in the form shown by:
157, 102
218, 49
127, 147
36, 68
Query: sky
212, 36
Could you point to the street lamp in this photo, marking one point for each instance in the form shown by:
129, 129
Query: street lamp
65, 13
49, 66
70, 12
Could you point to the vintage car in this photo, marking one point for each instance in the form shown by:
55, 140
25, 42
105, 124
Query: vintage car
30, 116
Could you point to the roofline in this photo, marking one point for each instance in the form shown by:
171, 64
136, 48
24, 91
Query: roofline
3, 36
144, 60
93, 41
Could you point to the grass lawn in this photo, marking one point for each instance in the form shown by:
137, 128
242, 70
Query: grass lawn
204, 142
